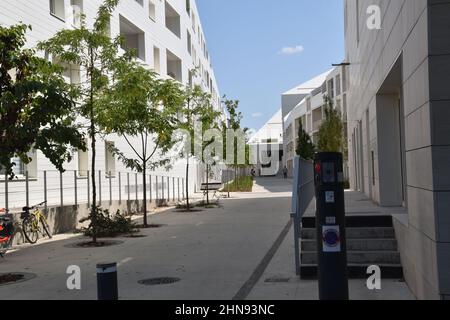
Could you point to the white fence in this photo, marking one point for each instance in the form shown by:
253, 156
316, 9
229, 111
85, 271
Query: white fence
74, 187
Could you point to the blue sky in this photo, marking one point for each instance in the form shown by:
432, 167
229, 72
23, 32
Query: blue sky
262, 48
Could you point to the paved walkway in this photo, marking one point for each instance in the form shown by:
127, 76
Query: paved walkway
222, 253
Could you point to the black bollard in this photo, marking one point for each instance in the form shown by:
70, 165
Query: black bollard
330, 224
107, 288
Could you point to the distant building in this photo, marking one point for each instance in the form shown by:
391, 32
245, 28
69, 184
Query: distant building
310, 110
267, 140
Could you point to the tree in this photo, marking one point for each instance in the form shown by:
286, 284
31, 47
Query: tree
209, 122
234, 123
143, 106
37, 108
97, 55
197, 104
330, 136
305, 148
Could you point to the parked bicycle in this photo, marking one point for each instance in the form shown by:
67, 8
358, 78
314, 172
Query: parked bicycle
32, 222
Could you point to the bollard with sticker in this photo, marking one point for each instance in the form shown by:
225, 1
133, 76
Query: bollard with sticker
107, 288
330, 224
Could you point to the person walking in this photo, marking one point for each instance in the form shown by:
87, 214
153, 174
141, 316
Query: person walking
285, 172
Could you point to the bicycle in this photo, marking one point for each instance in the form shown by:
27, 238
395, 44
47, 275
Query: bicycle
31, 222
8, 231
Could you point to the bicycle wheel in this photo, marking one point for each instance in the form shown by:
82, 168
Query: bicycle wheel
30, 229
46, 227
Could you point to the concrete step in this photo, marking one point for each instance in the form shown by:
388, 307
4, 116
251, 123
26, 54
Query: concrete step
356, 271
356, 233
358, 257
357, 245
356, 221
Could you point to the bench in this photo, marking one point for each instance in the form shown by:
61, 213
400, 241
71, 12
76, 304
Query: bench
211, 186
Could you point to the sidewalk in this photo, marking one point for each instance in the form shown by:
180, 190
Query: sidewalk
280, 282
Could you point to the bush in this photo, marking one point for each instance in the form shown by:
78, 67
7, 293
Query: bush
108, 226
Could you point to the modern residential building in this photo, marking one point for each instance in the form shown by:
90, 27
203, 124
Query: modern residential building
267, 140
310, 111
399, 128
168, 38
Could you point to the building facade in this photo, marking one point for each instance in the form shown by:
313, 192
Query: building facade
267, 144
167, 36
310, 111
399, 127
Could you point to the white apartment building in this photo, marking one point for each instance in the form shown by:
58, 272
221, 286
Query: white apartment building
168, 37
310, 111
267, 140
399, 128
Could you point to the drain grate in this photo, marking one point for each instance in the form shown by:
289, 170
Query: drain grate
159, 281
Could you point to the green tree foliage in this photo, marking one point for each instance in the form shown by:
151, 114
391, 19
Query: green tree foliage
331, 132
196, 109
234, 123
36, 105
93, 50
142, 106
305, 148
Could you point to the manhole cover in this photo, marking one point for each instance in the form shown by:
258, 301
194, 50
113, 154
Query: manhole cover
159, 281
136, 236
98, 244
12, 278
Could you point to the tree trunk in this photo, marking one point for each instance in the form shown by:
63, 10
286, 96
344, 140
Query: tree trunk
144, 181
93, 141
187, 184
207, 186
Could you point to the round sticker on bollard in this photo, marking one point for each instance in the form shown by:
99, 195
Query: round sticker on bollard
331, 239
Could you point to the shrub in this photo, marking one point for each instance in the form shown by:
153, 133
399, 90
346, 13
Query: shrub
108, 226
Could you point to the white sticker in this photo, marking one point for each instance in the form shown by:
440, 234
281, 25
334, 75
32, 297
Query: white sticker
329, 196
330, 220
331, 239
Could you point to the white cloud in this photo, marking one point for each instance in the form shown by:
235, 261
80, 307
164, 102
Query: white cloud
257, 115
291, 50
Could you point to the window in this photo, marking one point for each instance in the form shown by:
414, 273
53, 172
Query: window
194, 22
174, 67
188, 6
134, 38
331, 88
83, 162
189, 42
173, 20
110, 159
20, 168
152, 10
338, 85
77, 12
156, 60
57, 9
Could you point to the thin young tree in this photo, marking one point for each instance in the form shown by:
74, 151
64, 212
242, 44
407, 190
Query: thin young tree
197, 103
97, 54
331, 132
143, 110
37, 108
305, 148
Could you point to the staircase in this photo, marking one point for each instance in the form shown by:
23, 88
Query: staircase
370, 241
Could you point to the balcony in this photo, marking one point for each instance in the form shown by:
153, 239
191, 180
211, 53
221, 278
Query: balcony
133, 38
174, 67
173, 20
